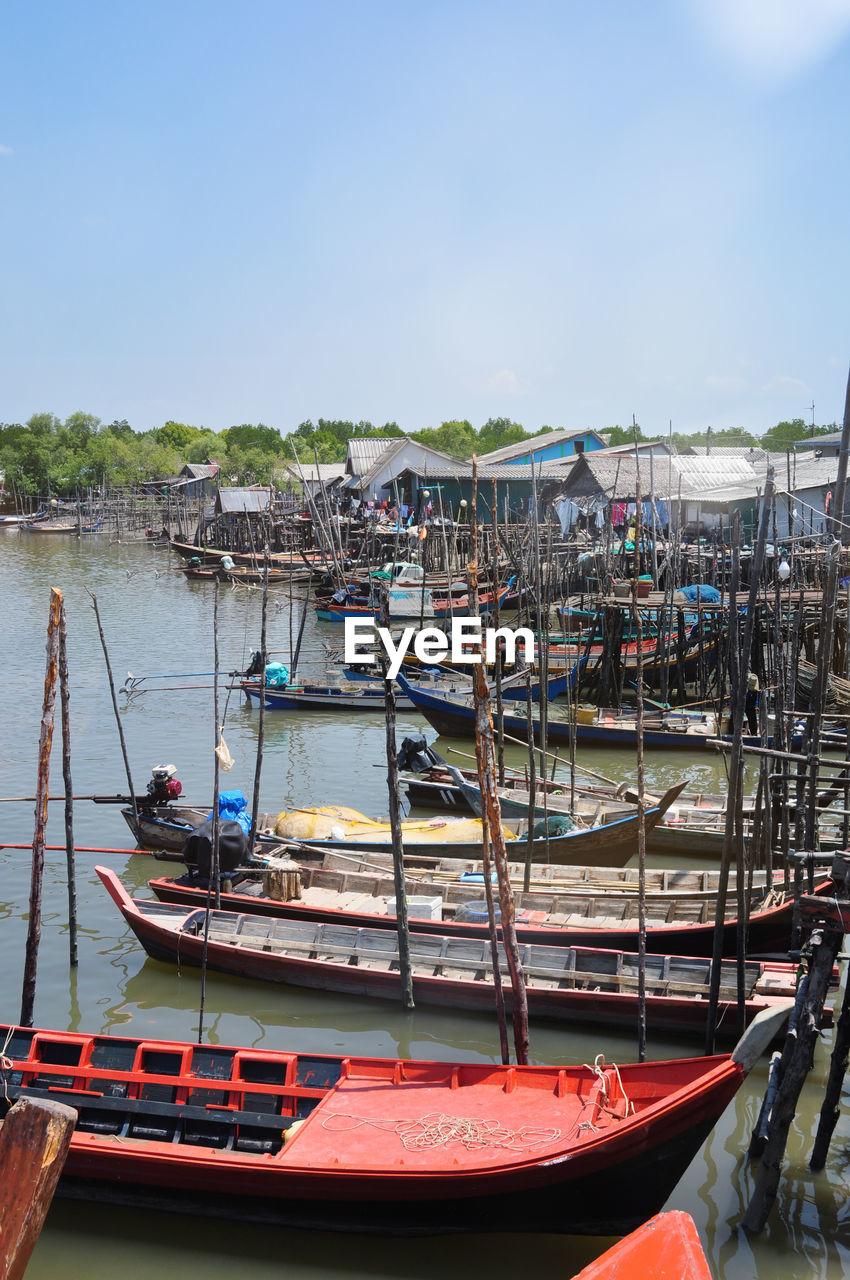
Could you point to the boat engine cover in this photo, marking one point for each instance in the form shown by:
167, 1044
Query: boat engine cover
232, 847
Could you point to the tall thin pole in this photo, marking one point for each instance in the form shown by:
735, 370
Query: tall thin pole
405, 966
485, 756
641, 807
44, 744
65, 695
118, 714
255, 807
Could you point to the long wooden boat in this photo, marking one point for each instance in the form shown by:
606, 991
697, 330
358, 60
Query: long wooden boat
692, 827
446, 898
14, 522
355, 607
283, 559
238, 574
321, 697
46, 526
346, 1143
34, 1140
369, 697
454, 716
608, 845
667, 1247
564, 984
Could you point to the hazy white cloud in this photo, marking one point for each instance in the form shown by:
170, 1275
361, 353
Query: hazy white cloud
505, 382
772, 41
5, 151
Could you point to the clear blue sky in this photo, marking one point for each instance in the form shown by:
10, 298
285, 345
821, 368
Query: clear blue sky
563, 213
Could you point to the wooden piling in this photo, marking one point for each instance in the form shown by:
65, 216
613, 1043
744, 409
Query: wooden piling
44, 744
405, 966
65, 698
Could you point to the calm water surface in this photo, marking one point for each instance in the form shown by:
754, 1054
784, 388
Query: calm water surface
157, 623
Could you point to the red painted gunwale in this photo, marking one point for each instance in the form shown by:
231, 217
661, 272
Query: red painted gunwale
768, 930
676, 1015
332, 1160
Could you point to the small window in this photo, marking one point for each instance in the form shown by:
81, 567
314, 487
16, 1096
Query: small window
578, 446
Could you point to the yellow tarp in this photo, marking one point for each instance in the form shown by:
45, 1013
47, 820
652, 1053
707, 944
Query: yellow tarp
336, 822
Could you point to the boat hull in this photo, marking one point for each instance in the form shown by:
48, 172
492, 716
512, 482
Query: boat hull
204, 1129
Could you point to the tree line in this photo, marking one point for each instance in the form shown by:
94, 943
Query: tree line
48, 456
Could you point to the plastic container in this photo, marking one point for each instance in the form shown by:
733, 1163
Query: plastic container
421, 906
475, 913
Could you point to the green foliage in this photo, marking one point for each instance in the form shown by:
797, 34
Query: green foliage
47, 455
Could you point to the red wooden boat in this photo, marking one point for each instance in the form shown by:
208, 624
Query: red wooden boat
564, 914
571, 984
390, 1146
665, 1248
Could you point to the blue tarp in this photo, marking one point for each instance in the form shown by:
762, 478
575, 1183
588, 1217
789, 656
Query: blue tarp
704, 592
233, 807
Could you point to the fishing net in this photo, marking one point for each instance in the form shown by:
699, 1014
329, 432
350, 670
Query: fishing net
436, 1129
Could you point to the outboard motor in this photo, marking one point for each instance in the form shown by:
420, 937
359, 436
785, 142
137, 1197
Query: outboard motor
257, 664
416, 756
164, 784
232, 848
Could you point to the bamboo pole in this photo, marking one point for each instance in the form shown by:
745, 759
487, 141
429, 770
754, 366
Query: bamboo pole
258, 768
44, 745
485, 754
133, 801
65, 696
641, 807
405, 966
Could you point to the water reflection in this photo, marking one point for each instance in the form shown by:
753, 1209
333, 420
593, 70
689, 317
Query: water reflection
160, 624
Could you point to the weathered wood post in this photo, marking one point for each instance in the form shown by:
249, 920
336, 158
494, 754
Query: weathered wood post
261, 727
44, 744
486, 758
405, 966
34, 1140
65, 696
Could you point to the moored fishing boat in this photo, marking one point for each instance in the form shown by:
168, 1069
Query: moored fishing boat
384, 1145
455, 716
599, 909
565, 984
332, 827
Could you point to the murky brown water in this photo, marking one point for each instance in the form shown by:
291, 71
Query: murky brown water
156, 623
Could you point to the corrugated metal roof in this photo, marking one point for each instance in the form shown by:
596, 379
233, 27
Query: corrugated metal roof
199, 471
364, 451
327, 472
427, 458
532, 443
463, 471
241, 501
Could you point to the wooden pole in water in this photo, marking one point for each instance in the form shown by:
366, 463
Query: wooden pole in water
44, 745
216, 878
255, 807
494, 575
405, 966
638, 626
485, 754
733, 839
65, 696
118, 716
